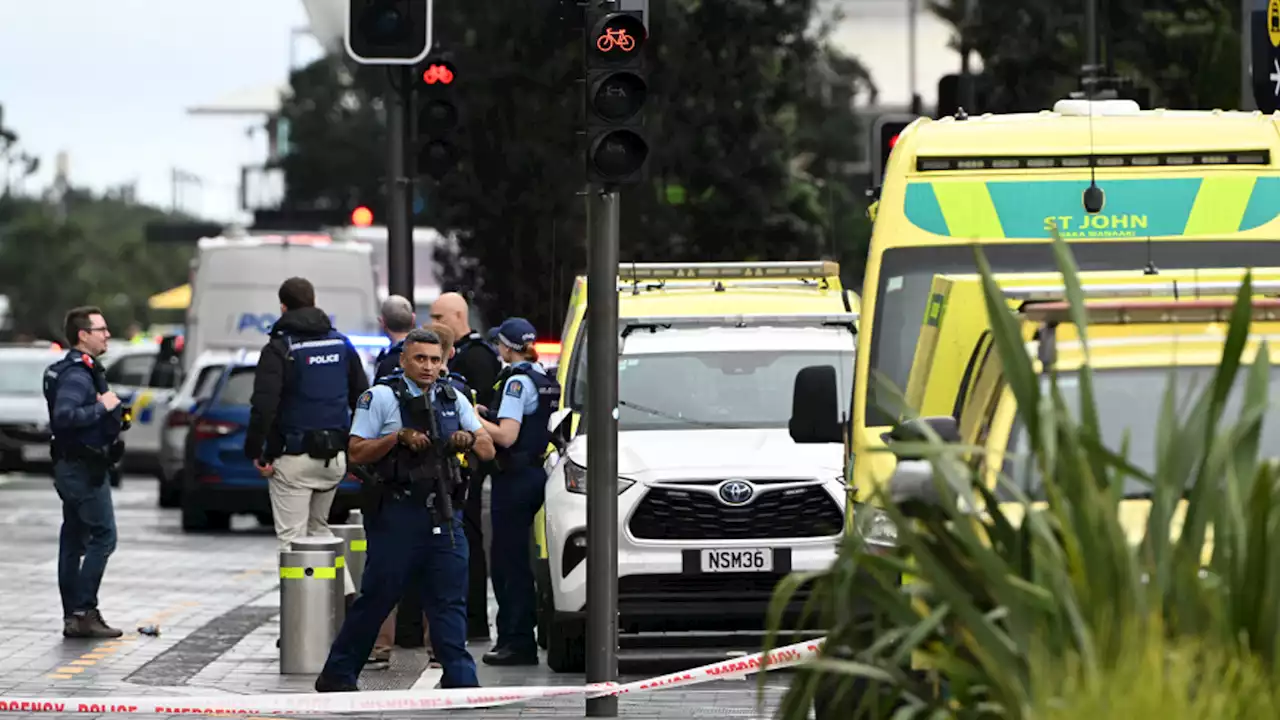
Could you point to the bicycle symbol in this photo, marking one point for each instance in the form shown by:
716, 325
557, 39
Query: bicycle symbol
438, 74
615, 38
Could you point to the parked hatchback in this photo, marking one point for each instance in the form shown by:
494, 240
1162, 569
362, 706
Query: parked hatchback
218, 480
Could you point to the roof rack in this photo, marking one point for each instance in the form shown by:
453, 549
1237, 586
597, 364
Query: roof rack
1172, 288
630, 325
812, 270
1119, 312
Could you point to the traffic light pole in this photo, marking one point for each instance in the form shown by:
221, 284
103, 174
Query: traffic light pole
399, 186
602, 447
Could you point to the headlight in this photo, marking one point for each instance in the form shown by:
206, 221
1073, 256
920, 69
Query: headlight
875, 526
575, 479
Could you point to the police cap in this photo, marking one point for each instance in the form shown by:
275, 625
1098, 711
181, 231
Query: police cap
517, 333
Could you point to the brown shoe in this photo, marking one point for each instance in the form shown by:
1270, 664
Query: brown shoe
95, 627
72, 627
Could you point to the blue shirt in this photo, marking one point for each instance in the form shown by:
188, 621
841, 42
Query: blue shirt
519, 394
378, 413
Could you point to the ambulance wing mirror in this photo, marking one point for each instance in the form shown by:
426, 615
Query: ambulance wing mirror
815, 404
559, 425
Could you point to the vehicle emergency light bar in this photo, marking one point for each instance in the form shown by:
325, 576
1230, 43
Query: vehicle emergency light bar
815, 269
1173, 288
1135, 160
1121, 312
794, 320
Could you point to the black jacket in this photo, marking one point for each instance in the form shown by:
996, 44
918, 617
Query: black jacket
271, 381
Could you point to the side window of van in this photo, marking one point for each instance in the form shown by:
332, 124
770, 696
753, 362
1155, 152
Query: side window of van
131, 370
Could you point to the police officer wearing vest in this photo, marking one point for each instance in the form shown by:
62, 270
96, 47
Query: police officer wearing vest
404, 524
86, 419
527, 397
307, 381
397, 318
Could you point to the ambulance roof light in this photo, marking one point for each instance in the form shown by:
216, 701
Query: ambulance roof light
728, 270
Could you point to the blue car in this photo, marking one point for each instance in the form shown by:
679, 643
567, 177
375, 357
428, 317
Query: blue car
218, 480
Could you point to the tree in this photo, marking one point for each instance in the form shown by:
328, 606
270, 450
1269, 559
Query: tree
95, 256
746, 129
1185, 52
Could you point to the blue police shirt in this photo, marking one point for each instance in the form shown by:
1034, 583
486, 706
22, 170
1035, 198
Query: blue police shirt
378, 413
519, 394
76, 406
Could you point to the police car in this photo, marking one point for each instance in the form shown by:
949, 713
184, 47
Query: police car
24, 413
145, 377
716, 503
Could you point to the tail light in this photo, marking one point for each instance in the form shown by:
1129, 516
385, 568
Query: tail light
177, 419
211, 429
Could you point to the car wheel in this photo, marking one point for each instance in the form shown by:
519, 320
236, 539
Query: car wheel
567, 646
195, 519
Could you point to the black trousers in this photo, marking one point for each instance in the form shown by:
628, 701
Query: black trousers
478, 576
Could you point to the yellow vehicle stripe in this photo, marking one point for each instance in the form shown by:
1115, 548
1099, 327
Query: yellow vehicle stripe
1220, 205
968, 209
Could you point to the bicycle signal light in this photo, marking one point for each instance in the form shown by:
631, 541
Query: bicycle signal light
619, 36
617, 91
438, 73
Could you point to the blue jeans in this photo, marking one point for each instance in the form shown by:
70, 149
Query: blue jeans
401, 537
88, 534
514, 498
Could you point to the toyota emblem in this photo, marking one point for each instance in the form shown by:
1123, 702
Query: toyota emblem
736, 492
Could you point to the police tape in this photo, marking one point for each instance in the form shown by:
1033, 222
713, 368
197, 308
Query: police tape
400, 700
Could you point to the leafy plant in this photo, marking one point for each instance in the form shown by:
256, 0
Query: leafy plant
1045, 609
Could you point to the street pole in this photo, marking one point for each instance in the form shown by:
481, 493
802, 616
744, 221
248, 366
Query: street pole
399, 187
1091, 36
602, 447
913, 12
1247, 101
968, 89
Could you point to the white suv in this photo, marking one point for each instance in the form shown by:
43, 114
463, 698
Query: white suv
716, 503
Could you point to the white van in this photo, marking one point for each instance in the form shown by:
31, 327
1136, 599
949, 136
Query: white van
235, 281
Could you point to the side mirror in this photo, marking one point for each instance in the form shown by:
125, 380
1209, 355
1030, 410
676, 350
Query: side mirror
944, 426
912, 488
815, 406
558, 425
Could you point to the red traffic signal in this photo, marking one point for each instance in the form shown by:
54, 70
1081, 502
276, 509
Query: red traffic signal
362, 217
894, 140
438, 73
619, 37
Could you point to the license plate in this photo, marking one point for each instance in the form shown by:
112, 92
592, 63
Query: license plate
739, 560
35, 452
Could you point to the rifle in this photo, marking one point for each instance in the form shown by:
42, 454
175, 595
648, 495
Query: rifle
442, 454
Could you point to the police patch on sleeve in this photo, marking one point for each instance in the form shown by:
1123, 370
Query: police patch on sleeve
514, 388
366, 398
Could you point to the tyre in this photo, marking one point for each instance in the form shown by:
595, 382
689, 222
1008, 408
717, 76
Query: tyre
566, 645
195, 519
170, 495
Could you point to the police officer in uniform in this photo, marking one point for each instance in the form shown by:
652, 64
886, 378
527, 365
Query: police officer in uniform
86, 419
308, 380
528, 396
403, 524
397, 318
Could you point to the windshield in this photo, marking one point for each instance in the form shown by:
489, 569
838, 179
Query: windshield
907, 273
719, 389
1129, 400
22, 377
238, 388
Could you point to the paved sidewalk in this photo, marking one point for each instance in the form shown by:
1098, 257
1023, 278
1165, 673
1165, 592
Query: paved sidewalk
215, 598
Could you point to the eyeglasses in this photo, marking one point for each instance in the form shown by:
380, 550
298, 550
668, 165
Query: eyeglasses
96, 329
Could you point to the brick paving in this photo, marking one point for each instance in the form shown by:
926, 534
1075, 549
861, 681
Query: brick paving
215, 599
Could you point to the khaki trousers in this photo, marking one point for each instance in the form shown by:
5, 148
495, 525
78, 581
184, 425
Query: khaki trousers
302, 490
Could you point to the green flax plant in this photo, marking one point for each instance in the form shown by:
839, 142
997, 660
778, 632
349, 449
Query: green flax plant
1045, 609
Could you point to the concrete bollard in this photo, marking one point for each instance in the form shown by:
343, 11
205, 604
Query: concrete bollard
306, 610
338, 585
353, 549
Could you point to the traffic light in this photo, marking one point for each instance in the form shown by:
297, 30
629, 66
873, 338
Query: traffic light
388, 32
439, 117
616, 89
884, 136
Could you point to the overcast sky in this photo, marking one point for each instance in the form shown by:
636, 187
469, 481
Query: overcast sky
109, 82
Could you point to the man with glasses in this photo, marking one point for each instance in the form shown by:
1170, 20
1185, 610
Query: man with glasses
86, 419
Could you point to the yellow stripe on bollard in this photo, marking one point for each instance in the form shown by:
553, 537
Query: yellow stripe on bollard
297, 573
339, 561
359, 545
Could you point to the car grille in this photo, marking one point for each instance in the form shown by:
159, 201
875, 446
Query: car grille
672, 514
740, 586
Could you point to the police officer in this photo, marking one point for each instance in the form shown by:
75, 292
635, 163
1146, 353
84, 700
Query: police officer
397, 318
528, 396
308, 379
476, 361
403, 525
86, 419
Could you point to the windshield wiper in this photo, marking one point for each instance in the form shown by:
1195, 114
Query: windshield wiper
668, 416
